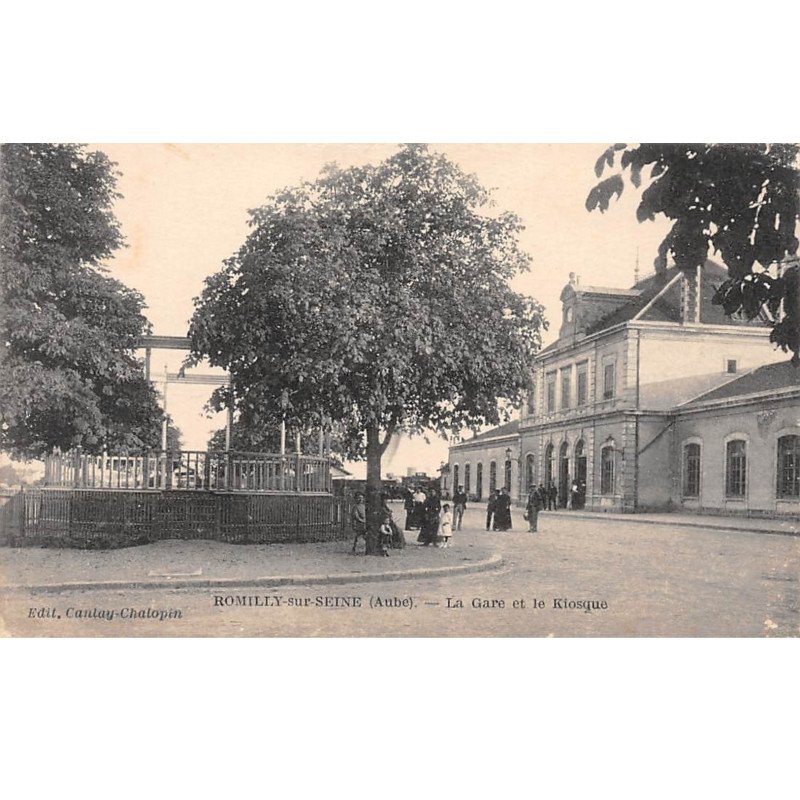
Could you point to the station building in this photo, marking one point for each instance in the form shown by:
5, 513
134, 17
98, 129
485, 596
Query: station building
650, 398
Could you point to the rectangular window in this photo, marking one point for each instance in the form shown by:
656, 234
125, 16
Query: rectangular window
731, 366
530, 402
583, 383
466, 479
608, 381
736, 468
691, 470
607, 471
550, 387
566, 387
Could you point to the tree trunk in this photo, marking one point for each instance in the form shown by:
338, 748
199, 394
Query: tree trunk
373, 498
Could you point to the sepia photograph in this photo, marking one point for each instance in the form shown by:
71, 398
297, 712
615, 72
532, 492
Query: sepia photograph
399, 400
400, 390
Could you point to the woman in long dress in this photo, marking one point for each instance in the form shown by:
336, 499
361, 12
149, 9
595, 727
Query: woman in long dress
408, 505
430, 525
502, 514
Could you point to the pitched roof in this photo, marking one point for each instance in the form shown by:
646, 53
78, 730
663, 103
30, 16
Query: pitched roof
666, 394
509, 429
666, 308
769, 378
581, 289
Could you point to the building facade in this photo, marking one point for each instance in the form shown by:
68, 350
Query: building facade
637, 376
486, 462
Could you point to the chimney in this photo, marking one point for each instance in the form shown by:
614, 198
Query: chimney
691, 295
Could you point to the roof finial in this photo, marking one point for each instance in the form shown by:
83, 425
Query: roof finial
636, 269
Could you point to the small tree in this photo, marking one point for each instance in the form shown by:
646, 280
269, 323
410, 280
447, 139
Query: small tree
68, 374
739, 200
378, 297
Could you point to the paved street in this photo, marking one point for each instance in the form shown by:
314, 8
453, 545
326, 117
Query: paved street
576, 577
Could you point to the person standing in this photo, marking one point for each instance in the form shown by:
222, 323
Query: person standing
358, 521
459, 507
574, 494
385, 536
502, 514
408, 505
491, 507
445, 527
532, 509
430, 526
552, 497
418, 517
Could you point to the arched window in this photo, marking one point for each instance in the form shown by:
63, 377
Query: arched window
508, 475
492, 476
479, 481
607, 470
691, 470
455, 478
466, 479
789, 467
529, 472
736, 468
548, 465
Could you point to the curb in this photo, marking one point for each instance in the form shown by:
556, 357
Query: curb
679, 523
486, 564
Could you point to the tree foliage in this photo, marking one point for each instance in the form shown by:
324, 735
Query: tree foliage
68, 375
266, 438
741, 201
376, 297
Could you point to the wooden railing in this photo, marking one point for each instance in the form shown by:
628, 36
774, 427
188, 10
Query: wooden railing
190, 470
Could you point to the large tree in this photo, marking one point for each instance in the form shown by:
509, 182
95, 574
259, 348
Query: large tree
378, 297
69, 375
741, 201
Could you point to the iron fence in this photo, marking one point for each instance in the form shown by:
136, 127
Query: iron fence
120, 518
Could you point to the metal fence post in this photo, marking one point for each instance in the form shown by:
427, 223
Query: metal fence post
76, 466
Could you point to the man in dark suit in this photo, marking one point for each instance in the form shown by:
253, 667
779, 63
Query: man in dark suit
491, 507
459, 507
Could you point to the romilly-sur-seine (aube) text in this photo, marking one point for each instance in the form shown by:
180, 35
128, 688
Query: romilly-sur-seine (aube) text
392, 601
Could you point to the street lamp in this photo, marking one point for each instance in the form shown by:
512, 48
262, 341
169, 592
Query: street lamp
507, 477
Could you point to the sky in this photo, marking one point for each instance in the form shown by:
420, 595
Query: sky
185, 209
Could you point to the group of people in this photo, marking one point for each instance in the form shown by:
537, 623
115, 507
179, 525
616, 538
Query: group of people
498, 510
433, 519
390, 537
436, 521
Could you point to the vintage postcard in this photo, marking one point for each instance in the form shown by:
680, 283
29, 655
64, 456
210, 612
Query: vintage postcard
428, 390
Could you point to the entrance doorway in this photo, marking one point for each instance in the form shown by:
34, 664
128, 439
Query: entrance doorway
563, 476
579, 501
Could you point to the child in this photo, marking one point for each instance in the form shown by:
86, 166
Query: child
445, 526
385, 535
